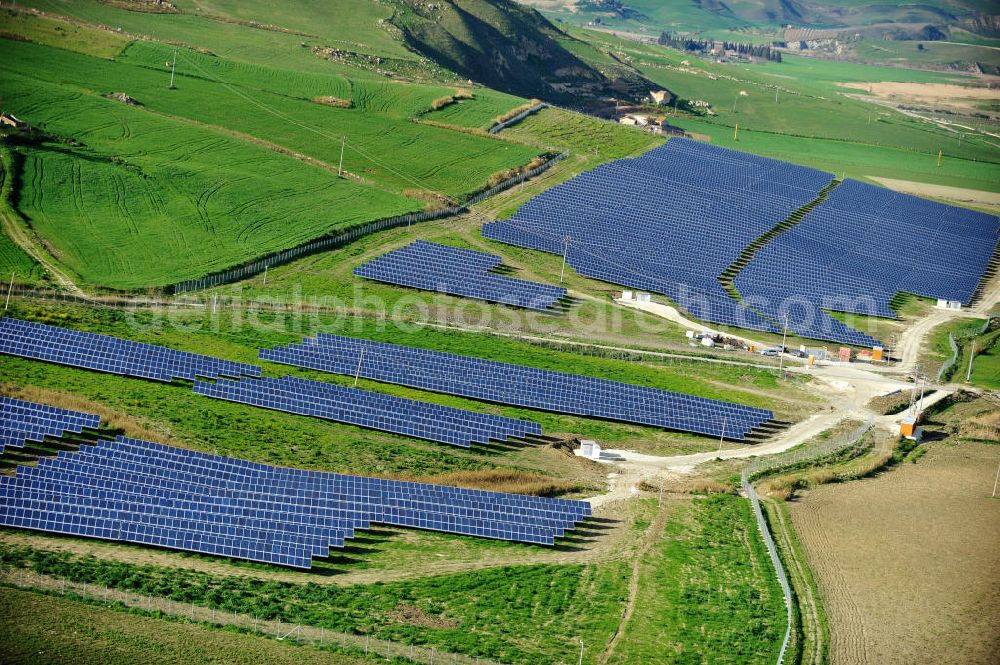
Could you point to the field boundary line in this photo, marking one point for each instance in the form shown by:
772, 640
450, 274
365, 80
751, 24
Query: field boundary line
779, 569
498, 127
812, 629
21, 236
282, 631
763, 465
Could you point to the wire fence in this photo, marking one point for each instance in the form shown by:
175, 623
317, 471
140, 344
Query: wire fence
950, 363
790, 458
779, 568
293, 632
949, 366
804, 454
517, 118
337, 239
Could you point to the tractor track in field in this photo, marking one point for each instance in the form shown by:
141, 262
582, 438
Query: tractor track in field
21, 236
653, 535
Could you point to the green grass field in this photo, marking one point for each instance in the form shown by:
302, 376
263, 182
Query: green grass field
813, 122
503, 613
706, 591
199, 175
44, 628
14, 261
986, 366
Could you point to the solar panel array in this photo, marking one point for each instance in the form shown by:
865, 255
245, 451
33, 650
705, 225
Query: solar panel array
859, 248
461, 272
422, 420
669, 222
22, 421
111, 354
520, 386
141, 492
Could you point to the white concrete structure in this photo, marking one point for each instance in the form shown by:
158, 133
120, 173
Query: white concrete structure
590, 449
948, 304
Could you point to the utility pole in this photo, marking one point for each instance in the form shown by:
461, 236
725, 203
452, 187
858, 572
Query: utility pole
9, 289
173, 68
968, 373
736, 98
736, 132
265, 274
340, 169
940, 152
923, 385
562, 271
995, 481
784, 336
580, 662
357, 372
775, 94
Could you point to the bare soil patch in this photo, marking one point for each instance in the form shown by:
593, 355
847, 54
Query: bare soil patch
415, 616
906, 562
975, 197
927, 93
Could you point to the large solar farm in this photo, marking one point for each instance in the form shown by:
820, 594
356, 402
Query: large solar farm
314, 349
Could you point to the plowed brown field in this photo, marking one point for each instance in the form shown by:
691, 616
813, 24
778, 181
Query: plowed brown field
908, 564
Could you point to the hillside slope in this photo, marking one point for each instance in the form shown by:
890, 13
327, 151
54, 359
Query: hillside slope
508, 47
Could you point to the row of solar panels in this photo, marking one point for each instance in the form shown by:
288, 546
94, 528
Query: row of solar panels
22, 421
861, 247
461, 272
373, 410
141, 492
111, 354
521, 386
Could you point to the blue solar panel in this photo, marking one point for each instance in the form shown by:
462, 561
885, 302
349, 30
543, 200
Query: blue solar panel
22, 421
461, 272
673, 220
858, 249
142, 492
111, 354
519, 385
373, 410
669, 222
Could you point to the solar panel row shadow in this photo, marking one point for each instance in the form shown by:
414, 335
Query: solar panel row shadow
861, 247
668, 222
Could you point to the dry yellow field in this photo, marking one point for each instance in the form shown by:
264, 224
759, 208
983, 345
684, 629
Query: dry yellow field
908, 563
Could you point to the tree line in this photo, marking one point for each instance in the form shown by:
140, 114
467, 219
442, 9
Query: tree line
762, 51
